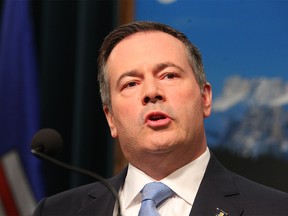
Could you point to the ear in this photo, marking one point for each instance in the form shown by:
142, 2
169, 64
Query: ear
111, 122
207, 99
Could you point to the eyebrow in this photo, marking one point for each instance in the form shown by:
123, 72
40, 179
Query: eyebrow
162, 66
157, 68
132, 73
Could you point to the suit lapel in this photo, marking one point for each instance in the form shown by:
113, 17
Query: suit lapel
217, 192
100, 201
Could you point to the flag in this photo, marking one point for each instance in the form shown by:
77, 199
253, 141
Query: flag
19, 111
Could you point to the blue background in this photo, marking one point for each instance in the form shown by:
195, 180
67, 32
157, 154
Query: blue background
235, 37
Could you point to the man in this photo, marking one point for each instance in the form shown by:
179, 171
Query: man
155, 97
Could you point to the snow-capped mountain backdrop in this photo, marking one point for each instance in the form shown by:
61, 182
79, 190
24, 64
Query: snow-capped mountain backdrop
250, 117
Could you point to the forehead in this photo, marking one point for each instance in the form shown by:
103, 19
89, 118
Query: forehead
148, 37
146, 44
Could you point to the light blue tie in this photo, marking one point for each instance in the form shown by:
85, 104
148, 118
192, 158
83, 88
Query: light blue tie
153, 194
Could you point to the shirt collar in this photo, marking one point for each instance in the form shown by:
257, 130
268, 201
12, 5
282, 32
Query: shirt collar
184, 182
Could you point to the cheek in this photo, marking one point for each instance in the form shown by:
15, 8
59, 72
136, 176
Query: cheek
185, 97
190, 105
125, 112
126, 117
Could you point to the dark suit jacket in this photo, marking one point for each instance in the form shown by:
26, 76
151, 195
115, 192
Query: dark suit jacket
219, 188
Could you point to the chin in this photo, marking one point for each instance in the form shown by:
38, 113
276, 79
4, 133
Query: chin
160, 147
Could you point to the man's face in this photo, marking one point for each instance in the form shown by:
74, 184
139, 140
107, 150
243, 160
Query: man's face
157, 105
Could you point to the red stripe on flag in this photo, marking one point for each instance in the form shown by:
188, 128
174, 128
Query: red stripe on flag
6, 195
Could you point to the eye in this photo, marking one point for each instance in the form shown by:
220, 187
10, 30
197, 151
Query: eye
170, 76
130, 84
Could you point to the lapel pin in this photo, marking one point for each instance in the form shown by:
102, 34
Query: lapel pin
220, 212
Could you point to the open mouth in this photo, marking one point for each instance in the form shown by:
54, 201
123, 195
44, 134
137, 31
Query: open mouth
157, 119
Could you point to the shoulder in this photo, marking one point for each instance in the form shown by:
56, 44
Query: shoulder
259, 199
217, 170
69, 201
258, 191
254, 197
248, 186
79, 198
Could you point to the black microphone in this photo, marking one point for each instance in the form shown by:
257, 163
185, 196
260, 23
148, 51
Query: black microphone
47, 142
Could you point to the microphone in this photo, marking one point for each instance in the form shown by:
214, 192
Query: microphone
47, 142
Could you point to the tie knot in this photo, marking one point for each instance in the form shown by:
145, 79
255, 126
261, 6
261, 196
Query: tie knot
156, 191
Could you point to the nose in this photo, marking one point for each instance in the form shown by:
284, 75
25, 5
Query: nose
152, 93
152, 100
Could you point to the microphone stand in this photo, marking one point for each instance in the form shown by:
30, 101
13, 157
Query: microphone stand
81, 171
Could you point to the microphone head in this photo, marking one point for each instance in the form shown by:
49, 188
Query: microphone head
47, 141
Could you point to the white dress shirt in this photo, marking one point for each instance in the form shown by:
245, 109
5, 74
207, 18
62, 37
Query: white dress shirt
184, 182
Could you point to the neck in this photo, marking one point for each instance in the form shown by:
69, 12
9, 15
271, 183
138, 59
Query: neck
159, 166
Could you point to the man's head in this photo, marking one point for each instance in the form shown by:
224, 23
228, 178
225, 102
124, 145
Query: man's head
153, 102
129, 29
